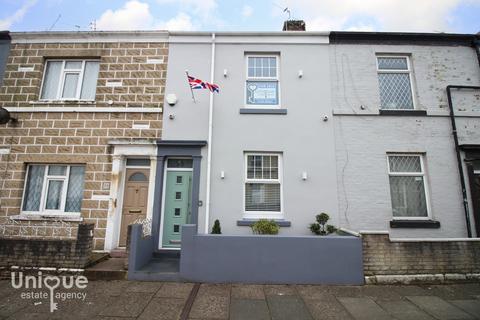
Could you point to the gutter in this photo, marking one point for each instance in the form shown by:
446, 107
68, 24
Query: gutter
457, 150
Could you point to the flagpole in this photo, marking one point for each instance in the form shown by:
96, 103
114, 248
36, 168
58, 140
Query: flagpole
210, 129
191, 90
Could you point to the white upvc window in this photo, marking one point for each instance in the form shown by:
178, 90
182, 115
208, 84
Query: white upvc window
262, 88
70, 80
395, 82
408, 186
53, 189
263, 186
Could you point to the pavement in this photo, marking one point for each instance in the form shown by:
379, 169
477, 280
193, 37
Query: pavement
120, 299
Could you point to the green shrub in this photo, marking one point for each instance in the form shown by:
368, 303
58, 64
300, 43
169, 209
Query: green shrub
320, 227
264, 226
216, 227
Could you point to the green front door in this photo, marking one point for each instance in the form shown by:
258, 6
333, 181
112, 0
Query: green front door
177, 211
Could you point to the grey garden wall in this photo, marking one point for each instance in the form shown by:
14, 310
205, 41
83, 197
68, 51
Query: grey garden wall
306, 141
270, 259
362, 137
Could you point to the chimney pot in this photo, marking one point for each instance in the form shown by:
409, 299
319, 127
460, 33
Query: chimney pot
294, 25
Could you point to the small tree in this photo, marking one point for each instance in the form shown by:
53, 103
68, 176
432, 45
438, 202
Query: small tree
216, 227
321, 227
264, 226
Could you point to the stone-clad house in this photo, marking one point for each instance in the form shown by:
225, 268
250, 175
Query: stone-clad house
88, 109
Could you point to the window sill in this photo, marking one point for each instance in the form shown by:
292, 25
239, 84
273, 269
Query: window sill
262, 111
62, 102
47, 217
385, 112
415, 224
250, 222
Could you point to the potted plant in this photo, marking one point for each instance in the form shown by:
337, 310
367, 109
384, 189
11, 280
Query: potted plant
320, 227
264, 226
216, 227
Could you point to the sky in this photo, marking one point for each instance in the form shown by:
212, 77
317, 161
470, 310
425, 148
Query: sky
453, 16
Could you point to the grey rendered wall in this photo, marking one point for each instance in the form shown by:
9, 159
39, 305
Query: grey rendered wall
307, 142
270, 259
362, 141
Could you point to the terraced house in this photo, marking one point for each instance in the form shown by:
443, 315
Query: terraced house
86, 111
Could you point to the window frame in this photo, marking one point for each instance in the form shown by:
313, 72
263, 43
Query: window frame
263, 214
46, 178
262, 79
387, 71
61, 83
411, 174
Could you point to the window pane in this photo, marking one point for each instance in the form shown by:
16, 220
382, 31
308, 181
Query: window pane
57, 170
251, 62
54, 195
138, 177
395, 91
33, 191
52, 79
262, 197
251, 72
250, 167
89, 85
138, 162
73, 202
405, 164
180, 163
262, 92
73, 65
408, 196
392, 64
70, 85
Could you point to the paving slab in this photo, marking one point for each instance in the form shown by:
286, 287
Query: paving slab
247, 291
364, 309
439, 308
148, 287
287, 307
345, 291
175, 290
129, 304
248, 309
280, 290
412, 290
313, 291
217, 290
377, 293
404, 310
210, 307
452, 292
470, 306
327, 308
163, 309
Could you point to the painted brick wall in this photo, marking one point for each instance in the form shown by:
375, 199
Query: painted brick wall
363, 138
78, 137
382, 256
58, 253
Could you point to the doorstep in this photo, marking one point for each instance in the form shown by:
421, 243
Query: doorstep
111, 269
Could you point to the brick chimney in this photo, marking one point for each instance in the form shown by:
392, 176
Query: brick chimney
294, 25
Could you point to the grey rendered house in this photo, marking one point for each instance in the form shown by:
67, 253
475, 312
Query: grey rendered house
352, 124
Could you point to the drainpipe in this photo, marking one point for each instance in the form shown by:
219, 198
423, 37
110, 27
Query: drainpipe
457, 150
210, 129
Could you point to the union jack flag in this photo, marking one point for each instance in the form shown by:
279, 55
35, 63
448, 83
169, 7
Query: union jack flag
199, 84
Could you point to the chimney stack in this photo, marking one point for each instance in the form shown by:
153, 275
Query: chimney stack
294, 25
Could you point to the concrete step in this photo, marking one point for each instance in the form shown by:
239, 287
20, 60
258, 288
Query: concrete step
111, 269
159, 268
119, 253
166, 254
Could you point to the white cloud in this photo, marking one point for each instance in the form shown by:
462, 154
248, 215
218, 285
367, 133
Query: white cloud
247, 11
391, 15
202, 8
134, 15
182, 22
17, 16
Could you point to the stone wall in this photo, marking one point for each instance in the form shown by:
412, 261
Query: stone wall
383, 256
58, 253
82, 137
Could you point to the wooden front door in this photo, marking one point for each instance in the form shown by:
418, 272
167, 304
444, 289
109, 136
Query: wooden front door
135, 200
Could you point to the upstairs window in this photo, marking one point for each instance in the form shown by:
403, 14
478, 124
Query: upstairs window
407, 186
70, 80
263, 186
394, 78
262, 85
53, 189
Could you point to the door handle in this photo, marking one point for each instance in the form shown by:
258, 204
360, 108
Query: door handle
134, 211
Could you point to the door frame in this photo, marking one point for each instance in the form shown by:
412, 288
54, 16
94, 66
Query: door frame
162, 217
